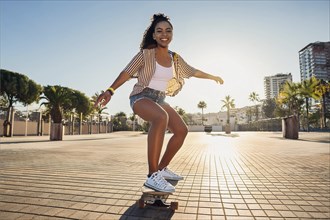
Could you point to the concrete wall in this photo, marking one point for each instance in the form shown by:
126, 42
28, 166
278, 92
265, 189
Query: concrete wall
30, 128
26, 128
199, 128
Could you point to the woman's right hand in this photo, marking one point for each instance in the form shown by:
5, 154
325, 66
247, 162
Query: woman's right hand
103, 99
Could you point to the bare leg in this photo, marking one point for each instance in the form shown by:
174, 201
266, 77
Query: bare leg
157, 116
179, 129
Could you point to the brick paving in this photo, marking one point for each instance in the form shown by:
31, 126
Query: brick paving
239, 176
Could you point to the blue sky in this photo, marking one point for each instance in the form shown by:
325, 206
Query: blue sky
85, 44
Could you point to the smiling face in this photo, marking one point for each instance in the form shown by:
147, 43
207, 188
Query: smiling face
163, 33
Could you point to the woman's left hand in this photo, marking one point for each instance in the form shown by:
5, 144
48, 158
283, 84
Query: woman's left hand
203, 75
218, 79
103, 99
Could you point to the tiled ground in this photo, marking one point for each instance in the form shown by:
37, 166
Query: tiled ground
239, 176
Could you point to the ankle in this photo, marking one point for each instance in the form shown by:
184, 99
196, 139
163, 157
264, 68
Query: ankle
152, 172
162, 168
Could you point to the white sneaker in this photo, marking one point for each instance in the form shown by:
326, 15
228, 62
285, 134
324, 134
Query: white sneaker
170, 175
157, 182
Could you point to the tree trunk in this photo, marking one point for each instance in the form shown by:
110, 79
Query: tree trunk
323, 111
80, 123
257, 113
39, 124
307, 112
8, 123
56, 132
202, 116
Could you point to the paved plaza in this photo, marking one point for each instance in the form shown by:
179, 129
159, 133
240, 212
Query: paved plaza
244, 175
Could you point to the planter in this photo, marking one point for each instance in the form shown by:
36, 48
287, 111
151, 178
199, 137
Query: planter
227, 129
207, 129
56, 132
290, 127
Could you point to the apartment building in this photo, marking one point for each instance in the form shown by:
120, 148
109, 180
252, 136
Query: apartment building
314, 61
273, 84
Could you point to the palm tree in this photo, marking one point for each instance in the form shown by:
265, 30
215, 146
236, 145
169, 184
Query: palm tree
60, 100
322, 89
228, 104
202, 105
254, 97
308, 90
290, 96
57, 99
98, 110
182, 113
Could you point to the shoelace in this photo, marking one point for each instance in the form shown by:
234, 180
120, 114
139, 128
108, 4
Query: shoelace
159, 180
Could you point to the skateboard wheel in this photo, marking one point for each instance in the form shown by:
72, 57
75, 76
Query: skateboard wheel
174, 205
141, 203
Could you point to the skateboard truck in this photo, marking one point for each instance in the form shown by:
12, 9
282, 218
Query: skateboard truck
155, 198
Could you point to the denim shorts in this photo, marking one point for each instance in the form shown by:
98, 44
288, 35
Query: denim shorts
147, 93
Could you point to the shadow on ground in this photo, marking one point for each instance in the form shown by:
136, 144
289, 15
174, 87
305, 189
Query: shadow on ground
225, 135
24, 141
148, 212
40, 141
325, 140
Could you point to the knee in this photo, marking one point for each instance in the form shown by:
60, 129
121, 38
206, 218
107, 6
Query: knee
181, 131
162, 118
185, 130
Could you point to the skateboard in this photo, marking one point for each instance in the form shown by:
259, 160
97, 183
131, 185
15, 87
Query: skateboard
155, 198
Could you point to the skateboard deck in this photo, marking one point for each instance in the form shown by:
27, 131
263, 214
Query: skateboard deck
155, 198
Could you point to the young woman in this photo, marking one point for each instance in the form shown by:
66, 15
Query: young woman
159, 72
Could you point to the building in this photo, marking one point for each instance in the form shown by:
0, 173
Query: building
273, 84
217, 120
314, 61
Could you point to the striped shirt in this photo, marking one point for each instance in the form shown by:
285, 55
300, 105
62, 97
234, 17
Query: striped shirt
143, 66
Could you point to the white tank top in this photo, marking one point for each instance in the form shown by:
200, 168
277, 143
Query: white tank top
161, 77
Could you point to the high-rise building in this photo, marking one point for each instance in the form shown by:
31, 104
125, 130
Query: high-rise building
314, 61
273, 84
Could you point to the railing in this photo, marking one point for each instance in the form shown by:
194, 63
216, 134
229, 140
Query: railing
34, 128
272, 124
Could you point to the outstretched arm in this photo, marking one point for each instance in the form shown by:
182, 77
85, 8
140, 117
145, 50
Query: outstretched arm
202, 75
105, 97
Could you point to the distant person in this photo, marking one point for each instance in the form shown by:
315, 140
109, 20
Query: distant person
160, 73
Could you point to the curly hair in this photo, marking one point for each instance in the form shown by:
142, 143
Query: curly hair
147, 41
